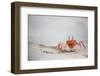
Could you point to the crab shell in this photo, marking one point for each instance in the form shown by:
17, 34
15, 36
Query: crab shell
71, 43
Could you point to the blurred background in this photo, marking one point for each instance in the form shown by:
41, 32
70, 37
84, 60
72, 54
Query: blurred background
50, 30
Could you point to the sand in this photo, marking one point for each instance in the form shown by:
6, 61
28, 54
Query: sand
40, 52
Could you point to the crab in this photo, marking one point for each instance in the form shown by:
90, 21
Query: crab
71, 45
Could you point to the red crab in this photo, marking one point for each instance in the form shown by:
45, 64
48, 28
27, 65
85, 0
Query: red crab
70, 43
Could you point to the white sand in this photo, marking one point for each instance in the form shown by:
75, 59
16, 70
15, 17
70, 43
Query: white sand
37, 52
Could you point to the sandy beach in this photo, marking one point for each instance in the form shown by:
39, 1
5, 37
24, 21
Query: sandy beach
40, 52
